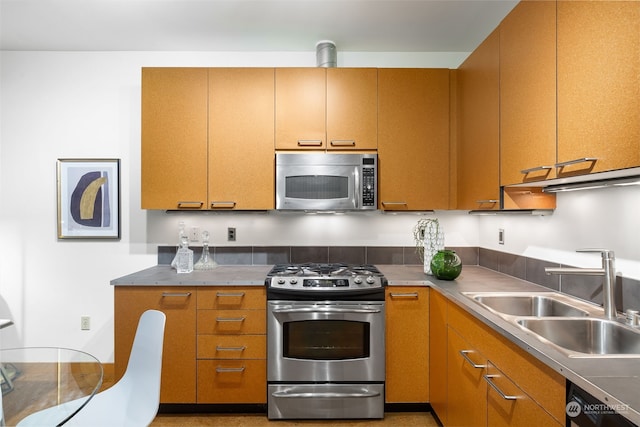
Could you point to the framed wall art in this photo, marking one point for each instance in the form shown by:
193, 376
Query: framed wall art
88, 198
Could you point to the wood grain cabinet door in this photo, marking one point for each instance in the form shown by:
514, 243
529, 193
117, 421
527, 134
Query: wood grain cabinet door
174, 138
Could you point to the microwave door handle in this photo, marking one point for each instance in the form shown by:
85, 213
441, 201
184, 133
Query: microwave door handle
356, 190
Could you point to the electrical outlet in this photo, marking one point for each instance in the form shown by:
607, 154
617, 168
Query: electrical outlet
194, 234
85, 323
501, 236
231, 234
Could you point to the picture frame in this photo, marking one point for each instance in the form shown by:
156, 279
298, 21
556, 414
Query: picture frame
88, 198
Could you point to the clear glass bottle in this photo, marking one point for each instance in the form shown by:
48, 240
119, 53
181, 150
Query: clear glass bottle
181, 233
184, 257
206, 261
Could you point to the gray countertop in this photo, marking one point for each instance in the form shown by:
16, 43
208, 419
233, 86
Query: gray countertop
615, 381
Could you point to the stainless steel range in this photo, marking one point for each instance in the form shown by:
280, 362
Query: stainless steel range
326, 341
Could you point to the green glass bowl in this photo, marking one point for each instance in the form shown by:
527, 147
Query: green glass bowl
446, 265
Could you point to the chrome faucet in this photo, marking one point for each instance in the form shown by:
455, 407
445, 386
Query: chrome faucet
608, 270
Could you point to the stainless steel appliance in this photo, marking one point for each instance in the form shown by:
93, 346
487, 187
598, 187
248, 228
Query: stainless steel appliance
326, 341
325, 181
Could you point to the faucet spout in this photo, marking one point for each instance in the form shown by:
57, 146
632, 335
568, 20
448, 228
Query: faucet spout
608, 271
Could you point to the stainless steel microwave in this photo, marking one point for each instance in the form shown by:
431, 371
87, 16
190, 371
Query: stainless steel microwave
325, 181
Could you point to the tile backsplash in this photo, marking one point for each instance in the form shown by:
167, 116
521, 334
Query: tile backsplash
585, 287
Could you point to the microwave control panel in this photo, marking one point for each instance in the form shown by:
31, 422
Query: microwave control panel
368, 187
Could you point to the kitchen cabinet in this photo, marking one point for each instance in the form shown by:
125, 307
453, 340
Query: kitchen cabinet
438, 355
528, 93
174, 138
478, 101
413, 139
193, 122
326, 109
598, 85
232, 345
407, 343
178, 303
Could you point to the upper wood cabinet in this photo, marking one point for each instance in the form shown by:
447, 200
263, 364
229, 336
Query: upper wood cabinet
320, 108
207, 138
528, 93
174, 138
241, 128
413, 139
598, 85
478, 91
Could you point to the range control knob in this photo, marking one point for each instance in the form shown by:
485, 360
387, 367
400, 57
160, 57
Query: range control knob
281, 281
293, 281
357, 280
370, 280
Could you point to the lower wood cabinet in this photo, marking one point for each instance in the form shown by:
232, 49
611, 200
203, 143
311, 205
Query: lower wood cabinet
407, 344
214, 344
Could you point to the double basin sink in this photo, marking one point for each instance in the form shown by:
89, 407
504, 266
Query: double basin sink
574, 327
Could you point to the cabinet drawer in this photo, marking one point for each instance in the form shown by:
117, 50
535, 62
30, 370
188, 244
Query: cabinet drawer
232, 322
232, 298
232, 346
232, 381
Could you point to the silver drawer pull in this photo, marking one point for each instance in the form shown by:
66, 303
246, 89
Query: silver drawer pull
576, 161
487, 201
536, 169
176, 294
324, 395
343, 143
243, 348
230, 319
221, 369
394, 204
326, 310
309, 142
404, 295
190, 205
464, 353
229, 294
223, 205
497, 389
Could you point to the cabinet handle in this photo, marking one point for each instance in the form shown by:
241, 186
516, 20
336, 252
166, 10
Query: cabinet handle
230, 319
464, 353
482, 202
404, 295
343, 143
243, 348
220, 369
576, 161
176, 294
497, 389
537, 168
309, 143
229, 294
223, 205
190, 205
390, 204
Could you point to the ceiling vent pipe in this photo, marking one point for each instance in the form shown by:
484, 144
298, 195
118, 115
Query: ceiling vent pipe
326, 54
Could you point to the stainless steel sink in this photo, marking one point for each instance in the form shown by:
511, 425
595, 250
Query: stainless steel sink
586, 337
529, 304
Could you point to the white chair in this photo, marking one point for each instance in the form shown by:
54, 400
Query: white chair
131, 402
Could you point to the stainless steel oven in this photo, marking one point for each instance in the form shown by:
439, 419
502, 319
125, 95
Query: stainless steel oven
326, 343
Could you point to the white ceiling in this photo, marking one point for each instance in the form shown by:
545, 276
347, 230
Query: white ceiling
248, 25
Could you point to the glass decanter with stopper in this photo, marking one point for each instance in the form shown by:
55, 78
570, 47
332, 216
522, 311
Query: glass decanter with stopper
206, 261
184, 257
181, 233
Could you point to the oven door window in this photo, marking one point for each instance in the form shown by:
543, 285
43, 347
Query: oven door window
326, 340
317, 187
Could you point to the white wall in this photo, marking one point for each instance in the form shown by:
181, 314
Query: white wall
87, 105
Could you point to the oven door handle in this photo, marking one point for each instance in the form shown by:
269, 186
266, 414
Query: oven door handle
325, 395
326, 310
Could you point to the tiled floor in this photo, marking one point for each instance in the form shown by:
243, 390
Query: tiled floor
393, 419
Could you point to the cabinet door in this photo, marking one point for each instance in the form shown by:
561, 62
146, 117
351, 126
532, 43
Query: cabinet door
478, 92
352, 108
598, 85
301, 100
413, 139
174, 138
509, 406
179, 350
438, 355
241, 135
528, 92
467, 389
407, 336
